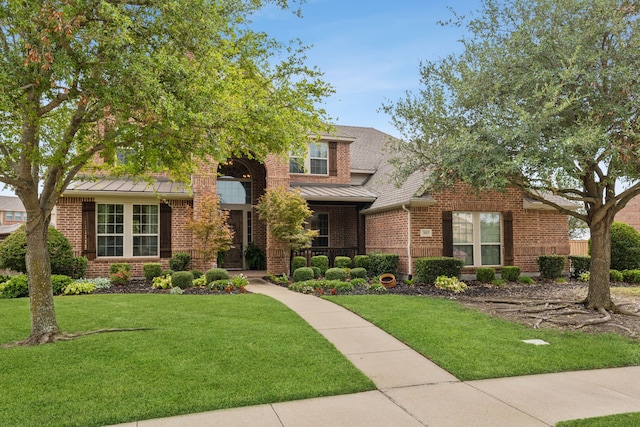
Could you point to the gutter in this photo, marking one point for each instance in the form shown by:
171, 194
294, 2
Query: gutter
410, 262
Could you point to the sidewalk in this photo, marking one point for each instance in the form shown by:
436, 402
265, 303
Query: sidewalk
413, 391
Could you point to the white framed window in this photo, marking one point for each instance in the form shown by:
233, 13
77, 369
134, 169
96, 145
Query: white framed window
127, 230
8, 215
477, 238
320, 222
315, 162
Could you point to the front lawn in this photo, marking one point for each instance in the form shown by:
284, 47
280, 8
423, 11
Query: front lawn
203, 353
472, 345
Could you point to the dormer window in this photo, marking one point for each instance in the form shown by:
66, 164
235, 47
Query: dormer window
315, 162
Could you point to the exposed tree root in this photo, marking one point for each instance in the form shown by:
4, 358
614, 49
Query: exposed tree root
52, 337
572, 314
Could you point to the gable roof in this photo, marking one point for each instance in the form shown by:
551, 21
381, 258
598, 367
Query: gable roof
11, 203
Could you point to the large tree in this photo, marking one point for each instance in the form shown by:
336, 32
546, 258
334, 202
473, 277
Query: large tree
170, 80
544, 97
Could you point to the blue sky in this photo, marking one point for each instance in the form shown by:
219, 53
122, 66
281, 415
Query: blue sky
370, 50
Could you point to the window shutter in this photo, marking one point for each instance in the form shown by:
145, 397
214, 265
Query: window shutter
508, 238
447, 233
333, 159
165, 230
89, 230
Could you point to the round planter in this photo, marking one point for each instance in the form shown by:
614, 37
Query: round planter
388, 280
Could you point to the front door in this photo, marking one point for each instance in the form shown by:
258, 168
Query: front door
233, 258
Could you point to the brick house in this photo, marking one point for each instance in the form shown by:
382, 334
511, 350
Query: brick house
630, 214
345, 179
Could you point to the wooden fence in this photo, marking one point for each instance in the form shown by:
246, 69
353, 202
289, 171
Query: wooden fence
579, 247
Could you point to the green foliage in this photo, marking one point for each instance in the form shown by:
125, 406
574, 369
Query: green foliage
297, 262
78, 266
176, 291
510, 273
59, 282
97, 282
16, 287
179, 261
485, 274
429, 268
342, 262
255, 257
199, 281
286, 213
335, 274
162, 282
381, 263
584, 277
579, 265
216, 274
625, 247
182, 279
498, 282
118, 266
196, 274
358, 273
320, 261
316, 272
302, 274
358, 282
361, 261
631, 276
551, 266
167, 272
615, 276
526, 280
80, 287
13, 252
152, 270
452, 284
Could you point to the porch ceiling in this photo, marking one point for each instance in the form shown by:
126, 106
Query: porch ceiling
335, 193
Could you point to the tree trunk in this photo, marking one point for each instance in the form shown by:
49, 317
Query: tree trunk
599, 295
44, 327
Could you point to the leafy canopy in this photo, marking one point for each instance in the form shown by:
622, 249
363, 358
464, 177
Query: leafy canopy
544, 97
210, 227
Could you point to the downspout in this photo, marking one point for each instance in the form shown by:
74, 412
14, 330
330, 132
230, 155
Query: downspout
410, 262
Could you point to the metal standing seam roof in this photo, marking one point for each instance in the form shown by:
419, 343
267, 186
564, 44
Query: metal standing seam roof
335, 193
127, 186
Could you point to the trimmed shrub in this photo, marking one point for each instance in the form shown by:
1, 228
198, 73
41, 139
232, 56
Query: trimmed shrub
16, 287
551, 266
196, 274
78, 266
361, 261
358, 282
297, 262
485, 274
342, 262
59, 282
510, 273
216, 274
625, 247
358, 273
381, 263
179, 261
118, 266
428, 269
579, 265
167, 272
320, 261
302, 274
335, 274
526, 280
182, 279
316, 272
13, 251
630, 276
152, 270
615, 276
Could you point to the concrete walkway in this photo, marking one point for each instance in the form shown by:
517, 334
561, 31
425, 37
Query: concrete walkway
413, 391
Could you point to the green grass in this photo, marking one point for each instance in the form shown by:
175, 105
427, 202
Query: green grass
474, 346
621, 420
204, 353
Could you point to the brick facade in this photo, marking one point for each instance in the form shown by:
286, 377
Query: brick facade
630, 214
535, 232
